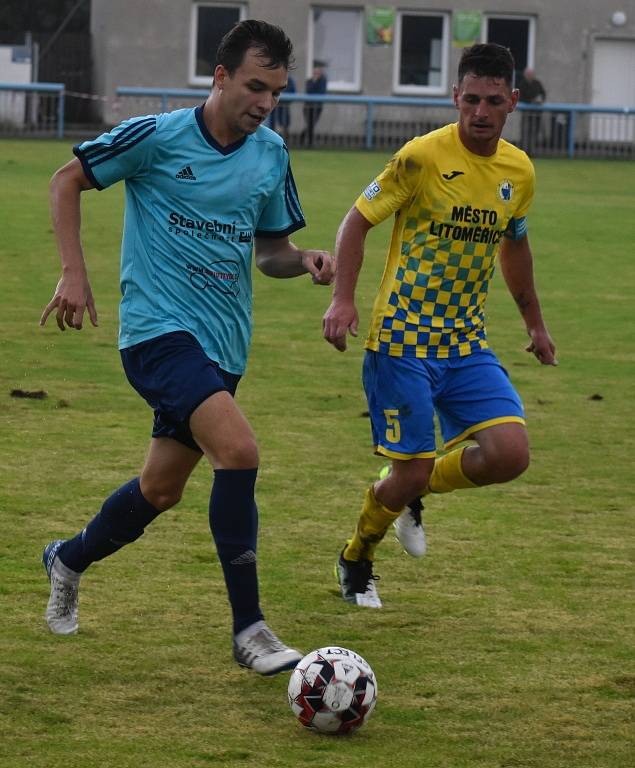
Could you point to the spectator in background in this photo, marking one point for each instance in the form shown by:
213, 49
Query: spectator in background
312, 110
281, 115
530, 91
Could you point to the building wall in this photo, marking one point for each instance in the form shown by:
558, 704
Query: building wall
146, 42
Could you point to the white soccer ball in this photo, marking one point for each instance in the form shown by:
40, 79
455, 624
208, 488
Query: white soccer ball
332, 690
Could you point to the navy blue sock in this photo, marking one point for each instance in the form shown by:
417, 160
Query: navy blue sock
121, 520
233, 520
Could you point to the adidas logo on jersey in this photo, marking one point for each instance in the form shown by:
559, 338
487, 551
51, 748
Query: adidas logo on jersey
186, 173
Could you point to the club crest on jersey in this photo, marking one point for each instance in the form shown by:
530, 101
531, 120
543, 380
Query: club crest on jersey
372, 190
505, 190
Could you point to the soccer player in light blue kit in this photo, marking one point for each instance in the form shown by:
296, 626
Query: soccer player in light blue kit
203, 186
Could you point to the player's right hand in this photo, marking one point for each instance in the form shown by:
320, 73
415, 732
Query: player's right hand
72, 298
339, 319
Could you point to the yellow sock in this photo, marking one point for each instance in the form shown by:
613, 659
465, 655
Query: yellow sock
447, 474
371, 528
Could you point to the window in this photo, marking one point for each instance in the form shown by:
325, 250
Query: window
515, 33
208, 25
335, 38
421, 53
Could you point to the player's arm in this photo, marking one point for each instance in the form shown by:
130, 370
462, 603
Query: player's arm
341, 317
517, 268
73, 294
279, 257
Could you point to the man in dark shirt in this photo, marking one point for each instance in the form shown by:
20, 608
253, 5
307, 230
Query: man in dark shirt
312, 110
530, 91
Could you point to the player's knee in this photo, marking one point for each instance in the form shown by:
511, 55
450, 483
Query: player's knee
408, 480
418, 481
510, 463
516, 467
161, 495
241, 453
523, 461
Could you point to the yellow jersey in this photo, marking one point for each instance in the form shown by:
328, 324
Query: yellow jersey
451, 208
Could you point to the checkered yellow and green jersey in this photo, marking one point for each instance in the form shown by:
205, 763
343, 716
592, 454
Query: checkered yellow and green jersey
452, 209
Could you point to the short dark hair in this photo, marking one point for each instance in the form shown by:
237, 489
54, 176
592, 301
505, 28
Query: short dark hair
487, 60
271, 43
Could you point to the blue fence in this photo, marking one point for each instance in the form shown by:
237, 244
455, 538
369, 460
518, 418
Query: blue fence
32, 108
561, 129
366, 122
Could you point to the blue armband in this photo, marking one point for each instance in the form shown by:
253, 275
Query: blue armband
516, 228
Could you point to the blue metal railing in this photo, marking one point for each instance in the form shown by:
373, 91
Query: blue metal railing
164, 93
569, 110
572, 111
369, 101
55, 88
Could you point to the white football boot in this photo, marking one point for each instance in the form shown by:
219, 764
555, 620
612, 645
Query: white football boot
62, 611
409, 529
259, 649
408, 526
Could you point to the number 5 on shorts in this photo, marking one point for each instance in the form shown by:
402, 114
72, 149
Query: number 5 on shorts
393, 430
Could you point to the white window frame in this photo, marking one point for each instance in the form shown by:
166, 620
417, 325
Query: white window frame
531, 33
421, 90
341, 86
193, 78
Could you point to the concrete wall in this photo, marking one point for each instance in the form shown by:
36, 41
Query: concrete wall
146, 42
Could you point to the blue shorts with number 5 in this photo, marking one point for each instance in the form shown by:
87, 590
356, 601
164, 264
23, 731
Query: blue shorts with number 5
467, 394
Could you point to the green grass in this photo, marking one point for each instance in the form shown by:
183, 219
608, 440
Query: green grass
509, 645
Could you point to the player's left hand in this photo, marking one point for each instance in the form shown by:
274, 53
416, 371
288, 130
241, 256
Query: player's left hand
542, 347
339, 319
321, 265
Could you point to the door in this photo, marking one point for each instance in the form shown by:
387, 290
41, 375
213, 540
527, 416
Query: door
613, 85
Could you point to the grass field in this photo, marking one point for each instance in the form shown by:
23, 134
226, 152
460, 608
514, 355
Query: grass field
509, 645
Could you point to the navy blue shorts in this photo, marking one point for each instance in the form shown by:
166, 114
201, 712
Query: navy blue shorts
174, 376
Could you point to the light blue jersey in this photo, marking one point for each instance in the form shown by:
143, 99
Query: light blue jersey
193, 209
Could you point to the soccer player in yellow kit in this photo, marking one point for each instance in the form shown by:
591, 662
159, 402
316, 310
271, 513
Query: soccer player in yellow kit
459, 196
